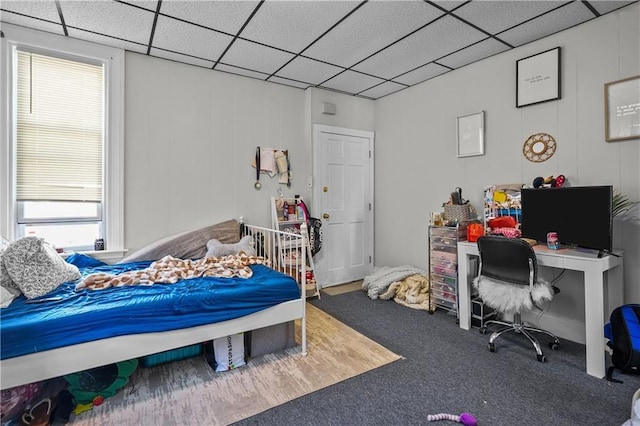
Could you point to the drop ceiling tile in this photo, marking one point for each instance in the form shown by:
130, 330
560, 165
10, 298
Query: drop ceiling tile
372, 27
151, 5
608, 6
191, 40
37, 9
181, 58
289, 82
421, 74
241, 71
565, 17
352, 82
304, 69
36, 24
450, 5
108, 41
473, 53
428, 44
256, 57
384, 89
496, 16
293, 25
226, 16
109, 18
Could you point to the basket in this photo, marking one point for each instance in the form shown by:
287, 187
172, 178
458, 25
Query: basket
460, 212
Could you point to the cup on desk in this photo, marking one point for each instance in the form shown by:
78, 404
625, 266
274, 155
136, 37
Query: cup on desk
552, 241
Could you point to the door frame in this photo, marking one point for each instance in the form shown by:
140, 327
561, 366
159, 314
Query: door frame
318, 129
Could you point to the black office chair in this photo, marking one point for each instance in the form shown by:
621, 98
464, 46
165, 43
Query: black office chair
508, 282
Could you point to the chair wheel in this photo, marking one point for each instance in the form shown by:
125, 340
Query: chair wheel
542, 358
483, 330
554, 345
492, 347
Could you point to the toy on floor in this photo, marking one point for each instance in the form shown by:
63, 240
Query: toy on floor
465, 418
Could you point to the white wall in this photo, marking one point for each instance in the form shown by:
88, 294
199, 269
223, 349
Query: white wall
416, 163
191, 134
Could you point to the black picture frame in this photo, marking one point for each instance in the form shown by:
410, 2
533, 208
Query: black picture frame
538, 78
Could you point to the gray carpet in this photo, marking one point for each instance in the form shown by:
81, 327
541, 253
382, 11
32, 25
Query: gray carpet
449, 370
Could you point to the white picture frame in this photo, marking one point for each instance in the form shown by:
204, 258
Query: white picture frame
538, 78
470, 134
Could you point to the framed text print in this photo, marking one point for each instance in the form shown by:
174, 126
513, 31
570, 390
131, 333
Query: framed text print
538, 78
470, 134
622, 109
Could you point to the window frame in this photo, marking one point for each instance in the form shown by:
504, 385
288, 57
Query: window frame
114, 66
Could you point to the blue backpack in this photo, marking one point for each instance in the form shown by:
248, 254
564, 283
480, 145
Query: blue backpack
623, 332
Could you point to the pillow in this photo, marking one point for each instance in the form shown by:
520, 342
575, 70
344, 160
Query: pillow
82, 260
189, 244
217, 249
5, 279
36, 268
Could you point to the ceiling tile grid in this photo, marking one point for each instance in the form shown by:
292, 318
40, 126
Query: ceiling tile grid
363, 48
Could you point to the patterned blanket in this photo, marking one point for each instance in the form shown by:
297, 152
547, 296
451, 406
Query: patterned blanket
170, 270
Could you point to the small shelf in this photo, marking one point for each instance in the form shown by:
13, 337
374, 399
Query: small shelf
289, 250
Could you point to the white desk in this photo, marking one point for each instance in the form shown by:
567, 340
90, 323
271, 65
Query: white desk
598, 304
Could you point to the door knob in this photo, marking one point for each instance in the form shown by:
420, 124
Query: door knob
325, 215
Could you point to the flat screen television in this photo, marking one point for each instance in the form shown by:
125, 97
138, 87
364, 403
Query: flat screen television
580, 215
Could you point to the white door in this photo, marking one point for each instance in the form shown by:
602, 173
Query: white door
343, 199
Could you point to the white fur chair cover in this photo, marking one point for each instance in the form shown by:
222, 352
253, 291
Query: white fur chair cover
509, 298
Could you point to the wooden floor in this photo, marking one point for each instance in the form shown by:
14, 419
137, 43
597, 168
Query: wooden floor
343, 288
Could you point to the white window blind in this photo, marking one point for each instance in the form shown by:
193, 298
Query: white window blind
60, 129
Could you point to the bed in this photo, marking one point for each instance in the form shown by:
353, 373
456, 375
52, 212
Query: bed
92, 328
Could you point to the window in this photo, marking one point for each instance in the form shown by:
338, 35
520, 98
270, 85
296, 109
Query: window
59, 146
63, 142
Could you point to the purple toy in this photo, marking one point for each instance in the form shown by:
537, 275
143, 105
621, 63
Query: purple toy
465, 418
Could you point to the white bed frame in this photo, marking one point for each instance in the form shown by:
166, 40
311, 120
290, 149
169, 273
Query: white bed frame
58, 362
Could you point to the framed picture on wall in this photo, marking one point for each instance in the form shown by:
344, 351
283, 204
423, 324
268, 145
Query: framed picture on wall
538, 78
470, 134
622, 109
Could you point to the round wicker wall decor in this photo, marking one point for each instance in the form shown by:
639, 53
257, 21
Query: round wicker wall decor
539, 147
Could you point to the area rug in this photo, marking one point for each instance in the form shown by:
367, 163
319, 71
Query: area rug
190, 392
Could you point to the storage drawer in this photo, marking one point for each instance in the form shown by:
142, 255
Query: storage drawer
437, 286
442, 295
443, 280
443, 255
441, 270
447, 304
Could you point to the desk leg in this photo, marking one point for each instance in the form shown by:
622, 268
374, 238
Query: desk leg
464, 292
594, 321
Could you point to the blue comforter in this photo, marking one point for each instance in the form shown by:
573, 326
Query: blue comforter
86, 315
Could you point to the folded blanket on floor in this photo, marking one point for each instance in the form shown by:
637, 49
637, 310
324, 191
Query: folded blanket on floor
382, 277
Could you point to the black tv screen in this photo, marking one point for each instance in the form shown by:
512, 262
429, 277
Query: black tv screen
580, 215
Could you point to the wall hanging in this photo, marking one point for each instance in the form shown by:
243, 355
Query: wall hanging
622, 109
470, 134
538, 78
272, 162
539, 147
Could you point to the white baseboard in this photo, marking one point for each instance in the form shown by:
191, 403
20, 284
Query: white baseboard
562, 327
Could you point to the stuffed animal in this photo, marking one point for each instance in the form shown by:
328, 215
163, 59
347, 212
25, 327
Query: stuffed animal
549, 182
412, 292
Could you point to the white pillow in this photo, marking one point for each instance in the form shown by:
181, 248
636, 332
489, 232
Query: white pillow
36, 268
217, 249
5, 279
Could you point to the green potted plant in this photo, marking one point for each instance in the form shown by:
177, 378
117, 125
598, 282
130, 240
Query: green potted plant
621, 204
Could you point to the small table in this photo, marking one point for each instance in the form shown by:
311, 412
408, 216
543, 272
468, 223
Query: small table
600, 273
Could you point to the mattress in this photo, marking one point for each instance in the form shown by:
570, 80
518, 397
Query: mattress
87, 315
